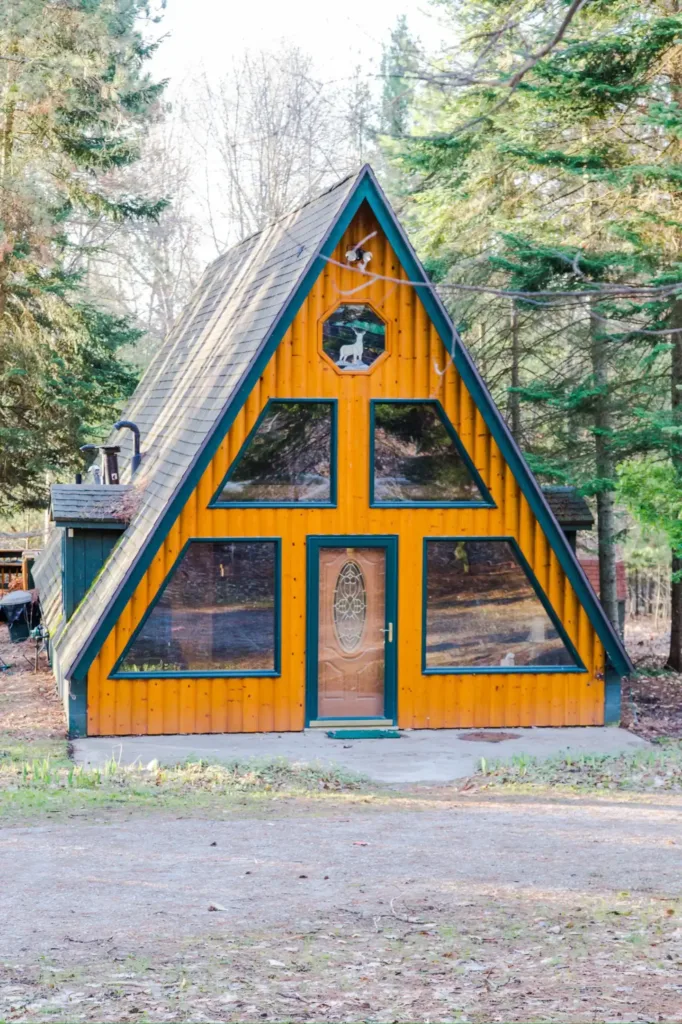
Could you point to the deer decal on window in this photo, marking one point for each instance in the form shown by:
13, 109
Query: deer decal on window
351, 355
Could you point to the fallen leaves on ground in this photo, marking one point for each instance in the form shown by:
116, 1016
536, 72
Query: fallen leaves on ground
490, 958
651, 701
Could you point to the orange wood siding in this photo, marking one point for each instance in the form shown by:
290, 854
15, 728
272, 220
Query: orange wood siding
417, 367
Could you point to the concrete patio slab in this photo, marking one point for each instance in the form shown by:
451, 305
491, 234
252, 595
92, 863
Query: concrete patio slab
424, 755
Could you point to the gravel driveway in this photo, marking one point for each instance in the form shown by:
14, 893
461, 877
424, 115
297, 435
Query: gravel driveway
490, 907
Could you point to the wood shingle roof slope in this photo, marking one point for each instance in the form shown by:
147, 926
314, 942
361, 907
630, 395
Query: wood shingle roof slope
186, 389
47, 573
197, 383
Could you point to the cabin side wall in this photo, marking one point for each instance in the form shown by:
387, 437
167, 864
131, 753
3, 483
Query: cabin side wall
417, 367
85, 552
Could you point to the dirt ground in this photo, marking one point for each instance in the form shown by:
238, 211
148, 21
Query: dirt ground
504, 908
652, 700
436, 905
29, 706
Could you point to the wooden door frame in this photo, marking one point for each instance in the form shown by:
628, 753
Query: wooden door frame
313, 545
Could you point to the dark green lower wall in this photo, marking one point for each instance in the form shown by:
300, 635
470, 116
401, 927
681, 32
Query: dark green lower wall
85, 552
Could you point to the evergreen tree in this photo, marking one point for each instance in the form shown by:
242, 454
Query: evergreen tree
399, 67
74, 104
562, 181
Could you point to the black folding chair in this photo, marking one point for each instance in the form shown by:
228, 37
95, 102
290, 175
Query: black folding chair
19, 630
18, 618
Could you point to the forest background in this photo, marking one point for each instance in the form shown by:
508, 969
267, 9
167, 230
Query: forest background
533, 151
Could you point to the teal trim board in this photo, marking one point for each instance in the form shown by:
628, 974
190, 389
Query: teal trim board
486, 497
364, 734
118, 673
487, 670
76, 691
612, 697
96, 524
313, 545
366, 189
333, 403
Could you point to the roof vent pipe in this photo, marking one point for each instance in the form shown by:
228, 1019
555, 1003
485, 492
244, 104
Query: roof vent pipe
136, 459
109, 463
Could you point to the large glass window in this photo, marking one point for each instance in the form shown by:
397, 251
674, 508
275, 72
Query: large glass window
287, 459
482, 611
217, 613
417, 459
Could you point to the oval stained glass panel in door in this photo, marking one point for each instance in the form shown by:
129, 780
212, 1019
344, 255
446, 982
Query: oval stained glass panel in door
350, 606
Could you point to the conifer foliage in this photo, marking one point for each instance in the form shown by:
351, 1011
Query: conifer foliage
546, 171
75, 100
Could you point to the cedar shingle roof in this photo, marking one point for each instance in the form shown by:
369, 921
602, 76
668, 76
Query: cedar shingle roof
190, 382
569, 507
90, 503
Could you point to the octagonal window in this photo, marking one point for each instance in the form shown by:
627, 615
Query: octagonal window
354, 337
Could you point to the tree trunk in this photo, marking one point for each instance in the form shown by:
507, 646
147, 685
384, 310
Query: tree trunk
675, 653
606, 472
7, 150
514, 398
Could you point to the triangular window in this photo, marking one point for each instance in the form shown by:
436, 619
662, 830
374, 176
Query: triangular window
287, 458
486, 612
418, 458
216, 614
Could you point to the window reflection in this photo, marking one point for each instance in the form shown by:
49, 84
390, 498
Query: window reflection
482, 611
288, 459
415, 457
217, 613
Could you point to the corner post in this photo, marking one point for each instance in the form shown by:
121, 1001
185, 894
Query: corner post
77, 703
611, 696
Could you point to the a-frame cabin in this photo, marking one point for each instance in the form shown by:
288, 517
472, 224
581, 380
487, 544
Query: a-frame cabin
331, 522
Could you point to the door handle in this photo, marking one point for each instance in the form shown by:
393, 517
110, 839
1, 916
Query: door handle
389, 630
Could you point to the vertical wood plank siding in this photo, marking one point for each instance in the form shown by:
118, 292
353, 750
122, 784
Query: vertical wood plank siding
414, 369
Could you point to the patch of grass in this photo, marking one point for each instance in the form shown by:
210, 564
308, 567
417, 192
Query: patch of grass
14, 751
271, 774
656, 769
45, 785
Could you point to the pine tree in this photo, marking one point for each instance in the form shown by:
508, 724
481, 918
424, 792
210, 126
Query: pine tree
75, 101
399, 64
564, 180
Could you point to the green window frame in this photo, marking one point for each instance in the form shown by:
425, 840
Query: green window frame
486, 499
467, 670
218, 501
120, 673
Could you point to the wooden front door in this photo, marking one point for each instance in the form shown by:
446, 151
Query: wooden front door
355, 633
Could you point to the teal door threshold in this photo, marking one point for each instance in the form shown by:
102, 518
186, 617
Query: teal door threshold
364, 734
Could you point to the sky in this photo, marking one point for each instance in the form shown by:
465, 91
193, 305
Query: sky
204, 34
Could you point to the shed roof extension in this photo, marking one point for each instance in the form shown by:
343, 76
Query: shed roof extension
85, 503
201, 377
569, 507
